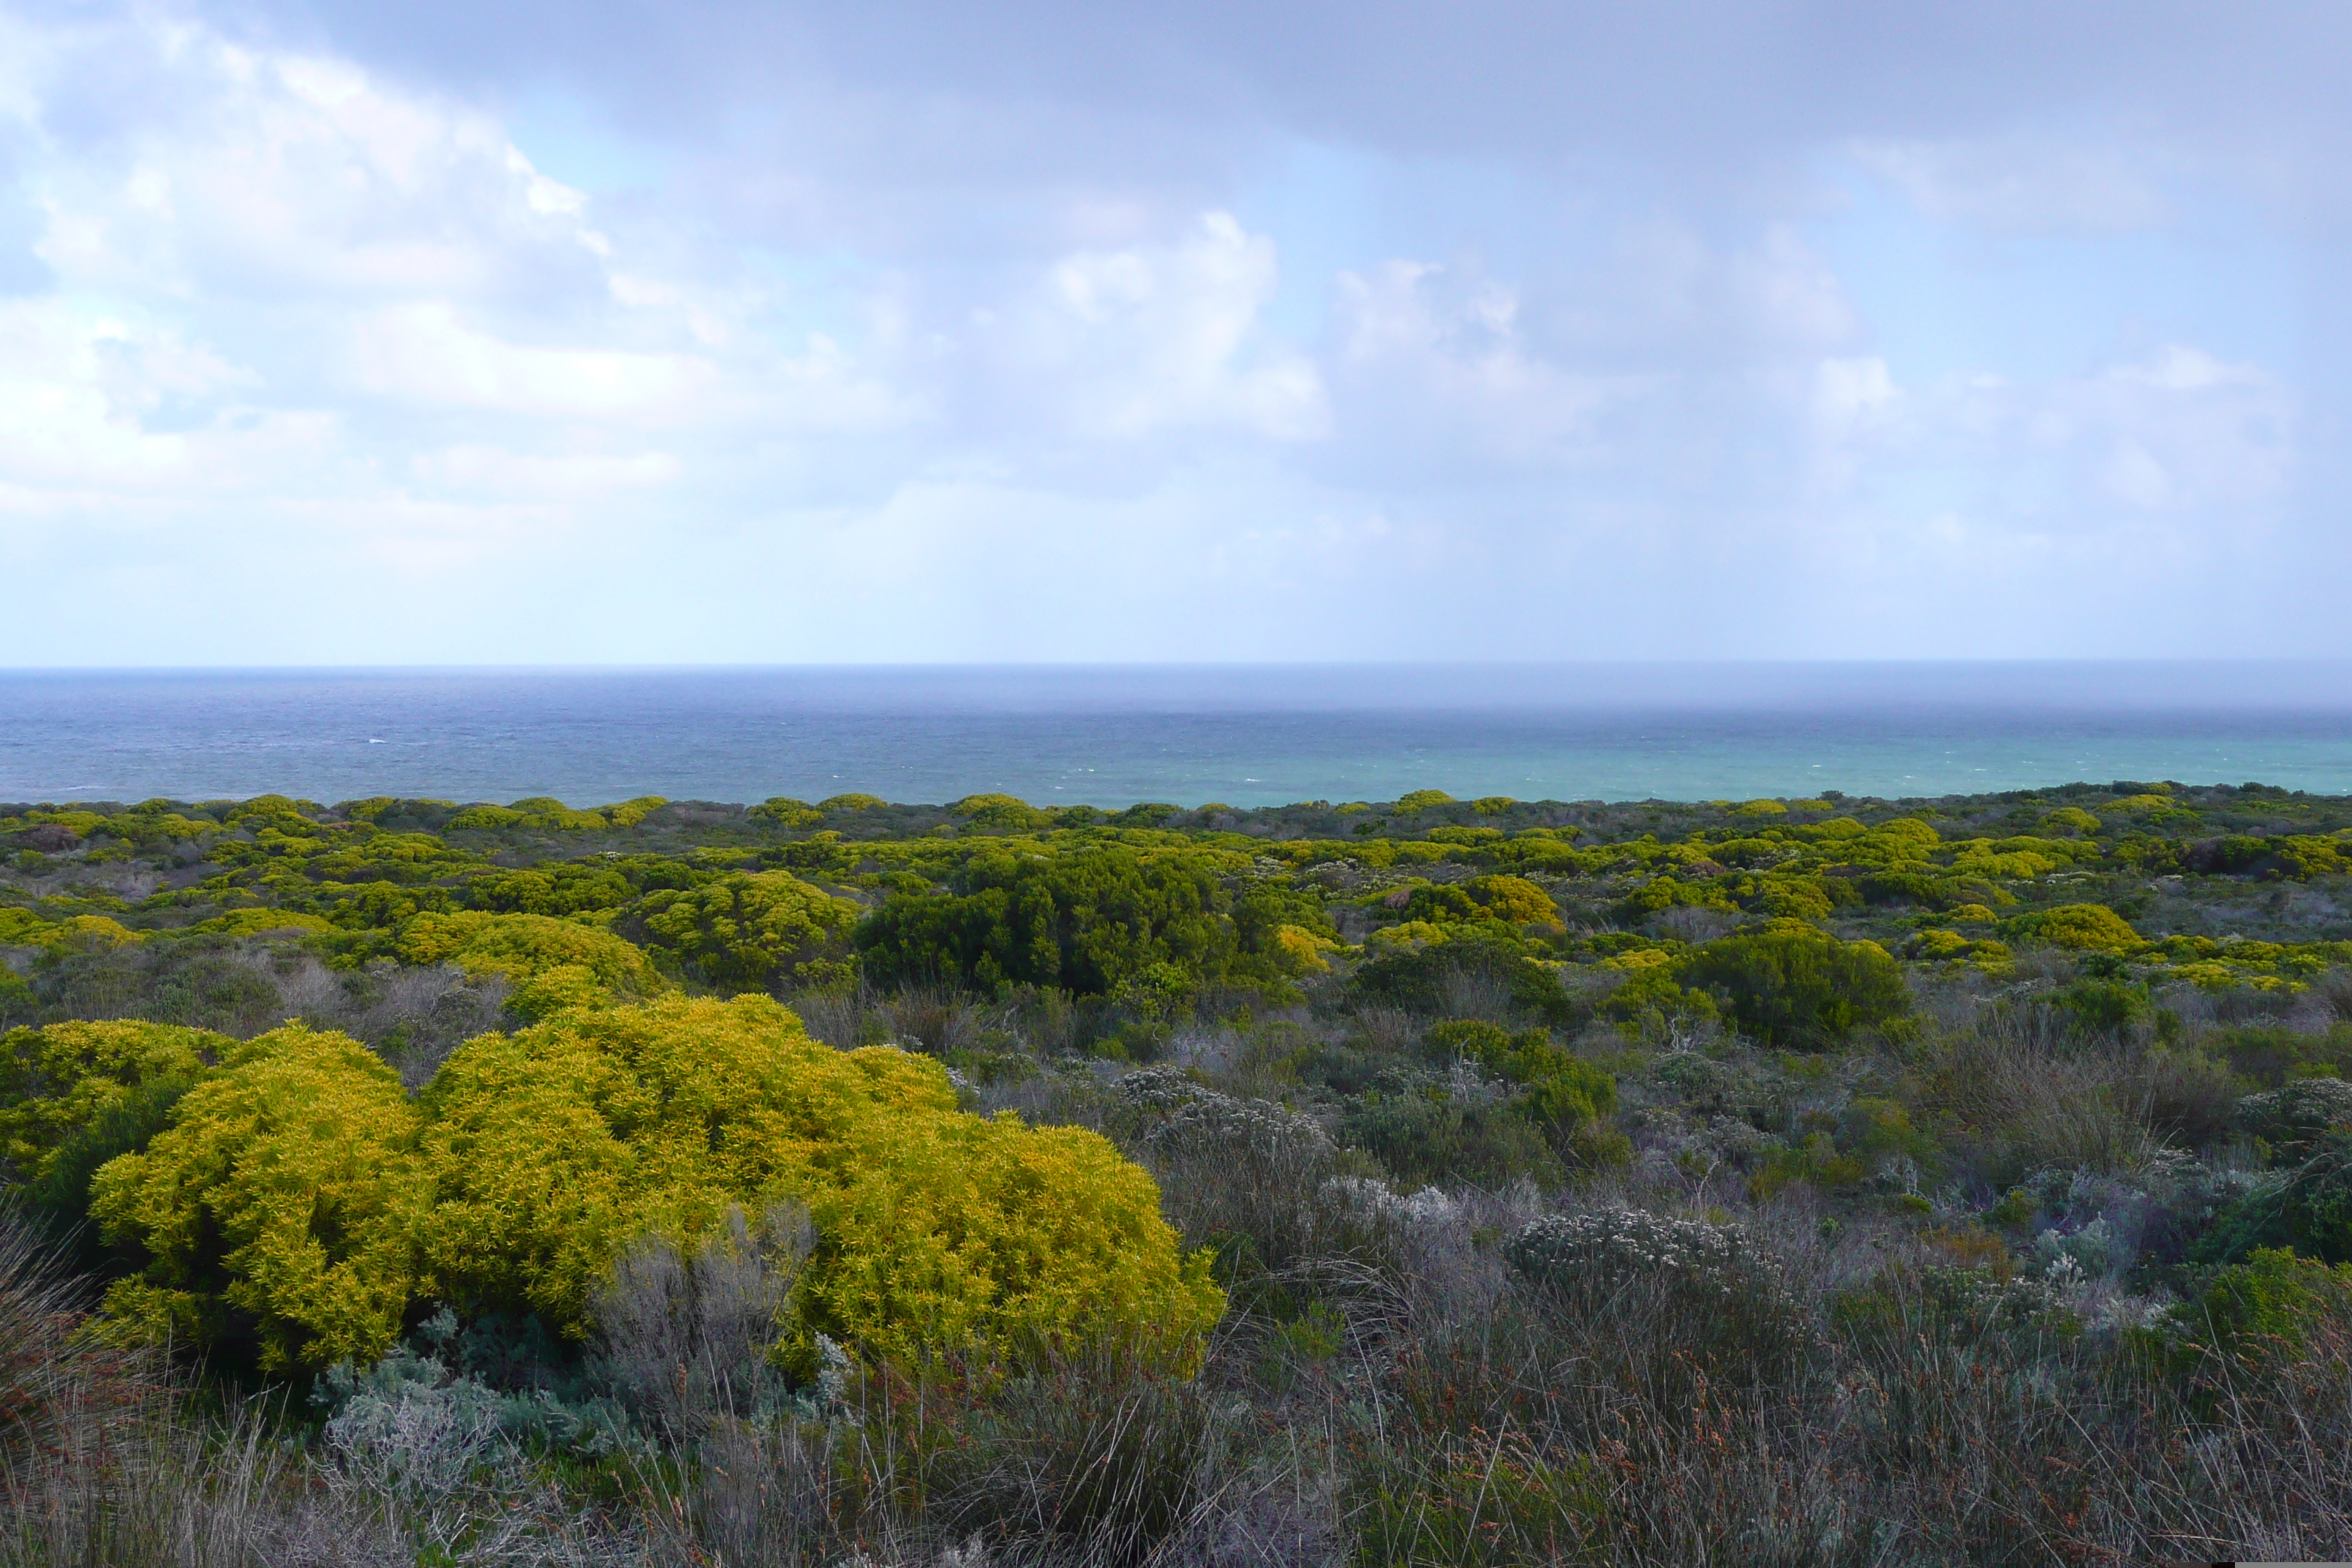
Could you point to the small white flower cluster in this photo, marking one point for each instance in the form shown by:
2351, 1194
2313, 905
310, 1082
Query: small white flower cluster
2069, 1257
1212, 1119
2298, 1112
972, 1553
1198, 1118
1677, 1138
2100, 1221
2013, 1303
1620, 1242
2161, 1313
1159, 1089
834, 1369
1430, 1209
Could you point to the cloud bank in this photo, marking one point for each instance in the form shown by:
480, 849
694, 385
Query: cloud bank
722, 332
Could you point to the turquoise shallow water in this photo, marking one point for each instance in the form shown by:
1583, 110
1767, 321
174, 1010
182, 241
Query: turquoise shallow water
1111, 736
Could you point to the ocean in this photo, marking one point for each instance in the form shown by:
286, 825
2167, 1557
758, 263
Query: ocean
1110, 736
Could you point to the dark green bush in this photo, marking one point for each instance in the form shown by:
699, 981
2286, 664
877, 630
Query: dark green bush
2269, 1055
1084, 922
2298, 1115
2253, 1320
1494, 970
2103, 1007
1561, 1093
1801, 989
1426, 1135
2310, 1211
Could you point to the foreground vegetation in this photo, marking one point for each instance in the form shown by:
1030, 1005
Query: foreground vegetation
1435, 1182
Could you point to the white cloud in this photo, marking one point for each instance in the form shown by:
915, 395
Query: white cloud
1150, 338
97, 405
278, 176
1667, 294
305, 320
492, 470
1438, 363
424, 353
2184, 430
2020, 184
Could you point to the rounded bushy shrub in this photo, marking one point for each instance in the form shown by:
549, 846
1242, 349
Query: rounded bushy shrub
56, 1081
751, 928
523, 948
1706, 1286
2309, 1211
1609, 1246
280, 1206
553, 1148
1790, 985
2084, 928
299, 1204
1515, 899
2298, 1114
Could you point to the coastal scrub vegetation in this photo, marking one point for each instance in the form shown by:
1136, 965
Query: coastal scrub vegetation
1429, 1181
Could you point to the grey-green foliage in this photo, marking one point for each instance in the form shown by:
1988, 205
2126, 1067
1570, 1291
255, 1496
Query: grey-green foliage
2298, 1114
1708, 1291
412, 1423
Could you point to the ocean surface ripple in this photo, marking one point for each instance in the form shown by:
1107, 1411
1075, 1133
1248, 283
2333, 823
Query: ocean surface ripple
1110, 736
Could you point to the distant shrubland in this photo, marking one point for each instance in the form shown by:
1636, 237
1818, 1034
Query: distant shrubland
1820, 1180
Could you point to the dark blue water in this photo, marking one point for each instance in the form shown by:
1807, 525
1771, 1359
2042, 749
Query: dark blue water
1111, 736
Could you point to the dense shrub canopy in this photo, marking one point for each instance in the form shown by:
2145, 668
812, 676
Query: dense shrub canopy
747, 929
554, 1147
298, 1202
286, 1190
58, 1080
2086, 928
524, 947
1794, 987
1427, 980
623, 1230
1085, 921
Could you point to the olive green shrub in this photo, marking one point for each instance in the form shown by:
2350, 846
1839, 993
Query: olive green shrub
522, 947
749, 929
1792, 986
2084, 928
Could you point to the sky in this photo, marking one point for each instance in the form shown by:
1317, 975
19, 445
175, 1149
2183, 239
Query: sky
471, 331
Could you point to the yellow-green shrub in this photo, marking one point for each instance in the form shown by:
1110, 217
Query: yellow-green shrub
1514, 899
747, 929
555, 1147
522, 947
1297, 950
2083, 926
21, 927
82, 933
786, 812
546, 812
283, 1200
253, 922
57, 1080
1409, 934
1005, 813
